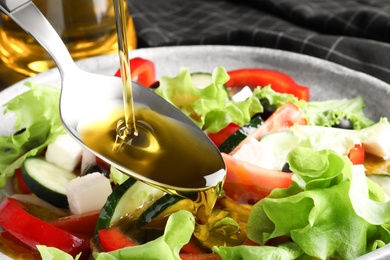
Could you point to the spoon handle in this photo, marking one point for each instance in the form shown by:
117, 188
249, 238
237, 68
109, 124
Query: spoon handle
28, 16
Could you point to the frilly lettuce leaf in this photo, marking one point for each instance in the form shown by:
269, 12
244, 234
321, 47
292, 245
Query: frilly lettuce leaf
330, 209
276, 98
37, 111
208, 107
52, 253
330, 112
362, 199
286, 251
178, 232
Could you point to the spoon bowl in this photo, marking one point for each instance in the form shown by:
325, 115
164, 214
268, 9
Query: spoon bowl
84, 94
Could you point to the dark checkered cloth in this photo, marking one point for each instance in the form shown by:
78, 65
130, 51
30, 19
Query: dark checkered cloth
353, 33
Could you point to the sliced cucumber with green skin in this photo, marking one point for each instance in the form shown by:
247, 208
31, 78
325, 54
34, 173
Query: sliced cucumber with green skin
237, 137
382, 180
202, 80
128, 197
280, 144
46, 180
157, 214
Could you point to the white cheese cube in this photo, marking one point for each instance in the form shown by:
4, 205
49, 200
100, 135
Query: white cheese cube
87, 159
256, 153
88, 193
64, 152
378, 143
243, 95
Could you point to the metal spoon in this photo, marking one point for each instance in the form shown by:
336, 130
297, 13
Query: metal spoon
84, 93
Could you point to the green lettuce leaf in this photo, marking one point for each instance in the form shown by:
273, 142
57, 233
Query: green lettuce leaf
52, 253
330, 112
329, 209
208, 107
37, 111
276, 98
379, 213
178, 232
283, 252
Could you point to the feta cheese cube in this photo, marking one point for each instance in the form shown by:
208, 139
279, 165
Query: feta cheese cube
243, 95
87, 159
256, 153
65, 152
88, 193
378, 143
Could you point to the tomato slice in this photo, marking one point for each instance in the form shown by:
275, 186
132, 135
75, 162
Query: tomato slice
279, 81
282, 119
33, 231
143, 69
248, 183
356, 154
221, 136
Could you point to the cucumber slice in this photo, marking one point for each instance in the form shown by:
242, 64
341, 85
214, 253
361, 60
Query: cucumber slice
157, 214
382, 180
237, 137
125, 200
280, 144
46, 180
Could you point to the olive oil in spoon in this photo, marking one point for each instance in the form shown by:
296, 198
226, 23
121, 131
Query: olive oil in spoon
161, 151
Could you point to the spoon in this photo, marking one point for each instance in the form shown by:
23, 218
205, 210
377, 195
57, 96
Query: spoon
83, 94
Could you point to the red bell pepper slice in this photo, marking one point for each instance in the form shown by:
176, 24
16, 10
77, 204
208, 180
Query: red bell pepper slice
279, 81
221, 136
192, 247
356, 154
113, 239
22, 185
83, 224
33, 231
249, 242
143, 69
282, 119
14, 248
248, 183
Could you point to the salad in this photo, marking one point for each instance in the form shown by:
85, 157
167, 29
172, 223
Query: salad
305, 179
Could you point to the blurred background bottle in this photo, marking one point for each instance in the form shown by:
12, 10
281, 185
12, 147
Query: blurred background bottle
87, 27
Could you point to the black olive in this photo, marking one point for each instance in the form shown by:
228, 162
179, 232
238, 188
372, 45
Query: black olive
9, 150
155, 85
268, 108
95, 168
286, 168
20, 131
344, 123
